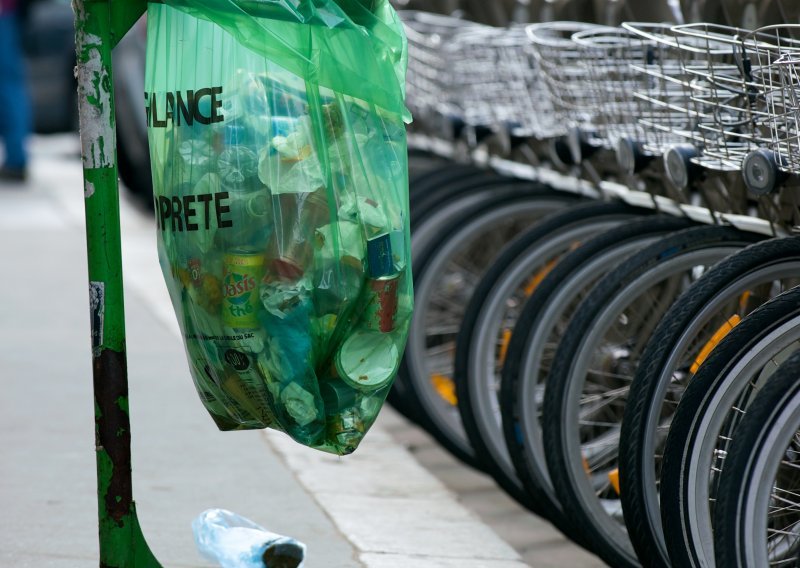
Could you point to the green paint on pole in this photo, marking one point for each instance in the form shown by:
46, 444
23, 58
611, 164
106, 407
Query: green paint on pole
98, 26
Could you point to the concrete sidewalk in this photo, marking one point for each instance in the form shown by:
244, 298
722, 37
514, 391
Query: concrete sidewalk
400, 501
377, 508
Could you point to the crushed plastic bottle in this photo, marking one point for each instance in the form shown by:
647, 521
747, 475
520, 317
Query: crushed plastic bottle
236, 542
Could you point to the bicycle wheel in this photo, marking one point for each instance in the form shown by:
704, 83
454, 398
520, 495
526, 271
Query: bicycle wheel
709, 411
490, 316
431, 179
694, 324
467, 198
594, 366
757, 514
420, 164
538, 331
445, 273
432, 199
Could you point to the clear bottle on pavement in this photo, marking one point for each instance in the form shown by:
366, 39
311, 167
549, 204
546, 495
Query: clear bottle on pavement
236, 542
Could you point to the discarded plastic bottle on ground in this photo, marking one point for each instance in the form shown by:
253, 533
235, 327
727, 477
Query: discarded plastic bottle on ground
236, 542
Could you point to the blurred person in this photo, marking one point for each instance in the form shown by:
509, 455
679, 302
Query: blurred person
15, 109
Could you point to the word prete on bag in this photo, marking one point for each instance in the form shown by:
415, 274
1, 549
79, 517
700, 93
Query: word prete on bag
193, 212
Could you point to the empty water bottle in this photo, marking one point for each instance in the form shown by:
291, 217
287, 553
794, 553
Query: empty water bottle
236, 542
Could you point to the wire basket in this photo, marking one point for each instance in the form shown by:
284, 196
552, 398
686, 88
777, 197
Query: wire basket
428, 77
776, 51
608, 54
662, 95
729, 111
492, 78
566, 81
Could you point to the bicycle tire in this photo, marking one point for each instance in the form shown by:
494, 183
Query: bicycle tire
449, 240
560, 288
421, 163
449, 172
422, 187
467, 195
654, 380
437, 196
563, 446
751, 470
699, 419
541, 245
455, 187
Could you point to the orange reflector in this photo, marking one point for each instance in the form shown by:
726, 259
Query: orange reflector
537, 278
445, 387
613, 477
718, 336
504, 341
743, 299
542, 273
586, 465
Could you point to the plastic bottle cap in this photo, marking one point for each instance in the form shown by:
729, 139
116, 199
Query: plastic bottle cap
367, 360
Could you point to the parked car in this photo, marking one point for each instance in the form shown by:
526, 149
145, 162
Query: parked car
48, 39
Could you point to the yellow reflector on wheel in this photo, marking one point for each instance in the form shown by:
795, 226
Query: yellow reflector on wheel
445, 387
613, 477
718, 336
506, 339
537, 278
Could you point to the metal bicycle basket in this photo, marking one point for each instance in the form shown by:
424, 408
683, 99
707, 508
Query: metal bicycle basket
608, 54
492, 78
429, 95
662, 95
566, 81
776, 51
728, 110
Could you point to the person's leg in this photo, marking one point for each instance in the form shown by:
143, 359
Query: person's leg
15, 113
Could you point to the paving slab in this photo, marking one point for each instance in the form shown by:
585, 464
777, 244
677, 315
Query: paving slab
539, 544
407, 561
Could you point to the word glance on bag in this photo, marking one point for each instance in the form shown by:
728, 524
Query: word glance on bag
189, 106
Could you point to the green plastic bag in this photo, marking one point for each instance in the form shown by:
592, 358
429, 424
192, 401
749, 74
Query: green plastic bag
280, 182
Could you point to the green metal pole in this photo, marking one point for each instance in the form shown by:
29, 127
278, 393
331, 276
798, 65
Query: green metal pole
122, 543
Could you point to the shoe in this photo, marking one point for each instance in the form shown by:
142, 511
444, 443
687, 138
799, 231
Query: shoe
13, 174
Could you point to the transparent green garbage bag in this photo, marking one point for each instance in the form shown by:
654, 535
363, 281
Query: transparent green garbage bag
279, 164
